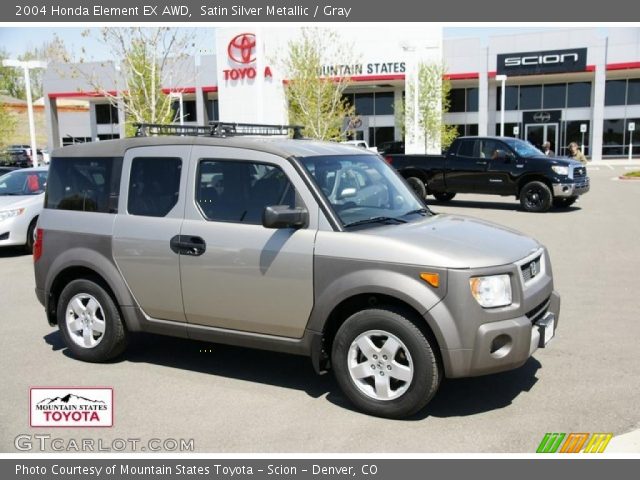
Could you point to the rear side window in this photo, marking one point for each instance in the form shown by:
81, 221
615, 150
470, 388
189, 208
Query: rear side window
84, 184
237, 191
466, 148
154, 185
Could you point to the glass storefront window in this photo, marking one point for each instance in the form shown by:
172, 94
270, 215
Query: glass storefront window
106, 114
364, 103
579, 94
633, 91
510, 98
379, 135
554, 95
384, 103
615, 92
573, 134
508, 130
613, 137
457, 99
472, 99
530, 97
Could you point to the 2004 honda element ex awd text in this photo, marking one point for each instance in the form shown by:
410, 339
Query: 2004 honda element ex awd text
298, 246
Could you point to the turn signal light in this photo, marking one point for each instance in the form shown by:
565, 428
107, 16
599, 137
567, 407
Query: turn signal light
432, 279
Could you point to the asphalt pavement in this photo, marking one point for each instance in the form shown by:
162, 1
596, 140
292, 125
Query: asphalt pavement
230, 399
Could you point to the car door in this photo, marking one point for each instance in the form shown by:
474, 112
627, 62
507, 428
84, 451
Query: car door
465, 167
496, 179
150, 213
244, 276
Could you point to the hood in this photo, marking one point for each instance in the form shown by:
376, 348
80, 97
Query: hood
563, 161
451, 241
8, 202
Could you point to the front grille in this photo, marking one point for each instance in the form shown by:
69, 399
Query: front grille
539, 311
531, 269
579, 172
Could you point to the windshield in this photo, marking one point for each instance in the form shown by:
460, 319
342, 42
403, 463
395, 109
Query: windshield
363, 189
20, 182
522, 148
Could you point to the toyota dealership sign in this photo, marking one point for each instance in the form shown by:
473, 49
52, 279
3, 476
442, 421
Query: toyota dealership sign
241, 52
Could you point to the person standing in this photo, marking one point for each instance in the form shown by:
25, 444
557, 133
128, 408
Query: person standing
546, 149
576, 154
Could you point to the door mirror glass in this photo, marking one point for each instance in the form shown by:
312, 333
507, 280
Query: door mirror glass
283, 216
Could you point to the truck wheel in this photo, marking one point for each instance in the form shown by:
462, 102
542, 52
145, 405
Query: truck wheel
384, 363
564, 202
418, 186
535, 197
443, 196
90, 322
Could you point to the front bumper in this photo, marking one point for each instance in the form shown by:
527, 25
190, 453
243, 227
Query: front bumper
506, 344
13, 231
572, 189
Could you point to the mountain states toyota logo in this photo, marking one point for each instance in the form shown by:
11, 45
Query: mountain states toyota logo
71, 407
242, 47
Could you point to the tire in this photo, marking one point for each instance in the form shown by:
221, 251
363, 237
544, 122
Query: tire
31, 236
535, 196
443, 196
418, 186
415, 362
564, 202
78, 298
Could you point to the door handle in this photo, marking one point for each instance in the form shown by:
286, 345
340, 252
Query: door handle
188, 245
480, 162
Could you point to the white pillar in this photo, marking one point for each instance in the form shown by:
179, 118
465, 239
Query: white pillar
53, 127
32, 126
597, 108
483, 95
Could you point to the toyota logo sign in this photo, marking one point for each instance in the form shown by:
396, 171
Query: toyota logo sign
241, 48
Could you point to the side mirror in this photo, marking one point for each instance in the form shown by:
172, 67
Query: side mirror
282, 216
349, 192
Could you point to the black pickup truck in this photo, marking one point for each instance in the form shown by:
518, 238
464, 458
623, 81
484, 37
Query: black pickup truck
496, 166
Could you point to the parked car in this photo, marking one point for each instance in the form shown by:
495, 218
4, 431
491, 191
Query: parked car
495, 166
391, 147
360, 144
4, 170
21, 201
20, 156
296, 246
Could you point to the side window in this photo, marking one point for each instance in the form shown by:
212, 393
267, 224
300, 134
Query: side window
84, 184
154, 185
490, 148
238, 191
466, 148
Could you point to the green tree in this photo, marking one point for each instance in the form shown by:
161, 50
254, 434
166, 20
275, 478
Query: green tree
144, 58
11, 81
7, 126
433, 101
313, 100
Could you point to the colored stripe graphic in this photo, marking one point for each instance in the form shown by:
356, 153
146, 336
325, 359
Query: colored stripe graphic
598, 442
550, 442
574, 442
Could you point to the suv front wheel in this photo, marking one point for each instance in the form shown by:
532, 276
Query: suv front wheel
90, 322
384, 363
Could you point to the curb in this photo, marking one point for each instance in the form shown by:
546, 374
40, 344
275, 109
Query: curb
626, 443
622, 177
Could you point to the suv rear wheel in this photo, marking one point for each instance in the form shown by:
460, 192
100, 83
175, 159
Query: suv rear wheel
384, 363
90, 322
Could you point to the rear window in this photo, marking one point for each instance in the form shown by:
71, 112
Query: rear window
84, 184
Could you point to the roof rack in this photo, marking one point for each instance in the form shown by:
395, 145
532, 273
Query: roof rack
217, 129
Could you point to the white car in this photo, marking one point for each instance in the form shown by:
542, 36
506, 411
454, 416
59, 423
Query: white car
360, 144
21, 201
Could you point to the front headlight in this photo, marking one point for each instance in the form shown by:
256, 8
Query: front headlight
493, 291
560, 170
4, 214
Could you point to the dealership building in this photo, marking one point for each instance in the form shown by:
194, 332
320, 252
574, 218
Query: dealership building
560, 85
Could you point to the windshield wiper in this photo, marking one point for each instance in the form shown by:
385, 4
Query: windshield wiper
375, 220
418, 210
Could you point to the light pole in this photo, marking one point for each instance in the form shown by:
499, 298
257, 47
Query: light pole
503, 79
26, 66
